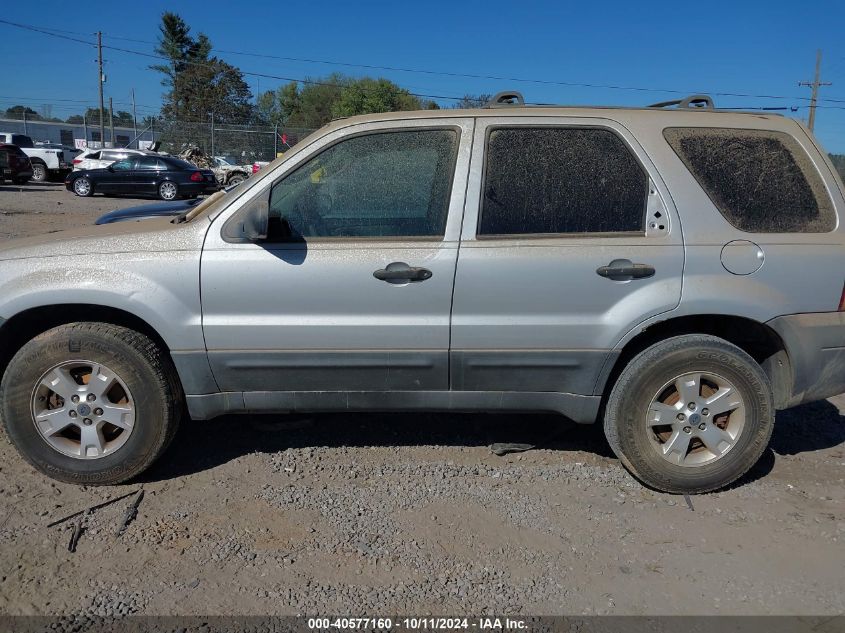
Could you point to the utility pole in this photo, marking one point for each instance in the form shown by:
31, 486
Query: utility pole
212, 135
134, 116
815, 84
100, 85
111, 121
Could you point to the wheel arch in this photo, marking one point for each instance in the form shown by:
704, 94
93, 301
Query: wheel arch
18, 330
757, 339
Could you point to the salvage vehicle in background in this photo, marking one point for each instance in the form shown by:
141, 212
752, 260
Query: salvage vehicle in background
229, 173
674, 274
46, 161
102, 158
17, 167
166, 177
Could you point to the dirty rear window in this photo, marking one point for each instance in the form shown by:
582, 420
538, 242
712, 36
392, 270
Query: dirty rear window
761, 181
561, 180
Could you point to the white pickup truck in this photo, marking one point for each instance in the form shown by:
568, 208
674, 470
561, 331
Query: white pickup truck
46, 161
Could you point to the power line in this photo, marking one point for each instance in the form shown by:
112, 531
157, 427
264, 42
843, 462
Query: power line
479, 76
47, 31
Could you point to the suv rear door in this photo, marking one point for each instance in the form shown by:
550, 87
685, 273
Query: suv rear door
563, 216
324, 304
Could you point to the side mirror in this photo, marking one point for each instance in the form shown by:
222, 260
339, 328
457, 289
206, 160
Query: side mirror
110, 168
250, 223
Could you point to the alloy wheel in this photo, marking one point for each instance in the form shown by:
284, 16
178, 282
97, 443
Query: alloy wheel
83, 409
695, 419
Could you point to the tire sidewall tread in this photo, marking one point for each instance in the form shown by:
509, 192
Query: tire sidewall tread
624, 421
140, 364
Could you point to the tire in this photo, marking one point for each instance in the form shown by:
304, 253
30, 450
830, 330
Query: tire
642, 420
40, 172
83, 187
144, 400
236, 179
168, 190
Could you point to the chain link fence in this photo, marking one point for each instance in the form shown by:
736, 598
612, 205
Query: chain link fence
241, 143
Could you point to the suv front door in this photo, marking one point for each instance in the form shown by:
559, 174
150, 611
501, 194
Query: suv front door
559, 209
327, 303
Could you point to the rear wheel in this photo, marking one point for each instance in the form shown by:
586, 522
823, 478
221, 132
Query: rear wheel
90, 403
83, 187
690, 414
236, 179
39, 172
168, 190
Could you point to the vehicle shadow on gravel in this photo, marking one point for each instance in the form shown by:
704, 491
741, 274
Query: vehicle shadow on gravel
202, 445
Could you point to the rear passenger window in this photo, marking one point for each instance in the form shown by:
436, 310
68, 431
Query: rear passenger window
761, 181
561, 180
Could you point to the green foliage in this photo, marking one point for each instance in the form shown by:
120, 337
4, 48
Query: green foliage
367, 95
473, 101
317, 102
199, 84
18, 111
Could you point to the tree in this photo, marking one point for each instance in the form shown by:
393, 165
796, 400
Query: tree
318, 101
123, 119
473, 101
199, 84
367, 95
76, 119
18, 112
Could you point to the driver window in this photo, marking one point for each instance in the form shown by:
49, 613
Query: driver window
385, 184
123, 165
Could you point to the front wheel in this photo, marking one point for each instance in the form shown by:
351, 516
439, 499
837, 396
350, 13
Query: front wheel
90, 403
690, 414
168, 190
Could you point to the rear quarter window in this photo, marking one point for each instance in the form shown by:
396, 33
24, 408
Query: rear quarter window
761, 181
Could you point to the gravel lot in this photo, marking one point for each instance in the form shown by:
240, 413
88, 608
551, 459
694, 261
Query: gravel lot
412, 514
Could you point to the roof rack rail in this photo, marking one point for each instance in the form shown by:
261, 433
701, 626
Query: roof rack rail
693, 102
506, 99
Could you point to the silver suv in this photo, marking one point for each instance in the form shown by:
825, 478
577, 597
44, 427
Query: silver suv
675, 273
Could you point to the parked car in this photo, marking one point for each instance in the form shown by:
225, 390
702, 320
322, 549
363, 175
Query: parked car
675, 274
46, 162
167, 177
102, 158
150, 211
17, 167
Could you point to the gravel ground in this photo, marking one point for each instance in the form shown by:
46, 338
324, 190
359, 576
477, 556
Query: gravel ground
412, 514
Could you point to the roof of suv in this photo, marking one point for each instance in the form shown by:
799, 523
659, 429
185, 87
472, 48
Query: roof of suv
496, 107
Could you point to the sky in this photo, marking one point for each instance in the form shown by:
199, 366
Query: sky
651, 51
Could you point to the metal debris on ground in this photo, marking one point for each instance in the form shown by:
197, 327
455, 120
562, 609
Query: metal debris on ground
504, 448
90, 509
131, 513
689, 502
77, 532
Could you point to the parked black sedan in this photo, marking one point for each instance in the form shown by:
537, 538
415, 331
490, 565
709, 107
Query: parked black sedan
167, 177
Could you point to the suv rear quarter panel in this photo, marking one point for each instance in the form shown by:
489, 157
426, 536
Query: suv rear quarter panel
801, 272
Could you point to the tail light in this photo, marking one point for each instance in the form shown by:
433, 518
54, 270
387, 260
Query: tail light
196, 177
76, 161
842, 300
